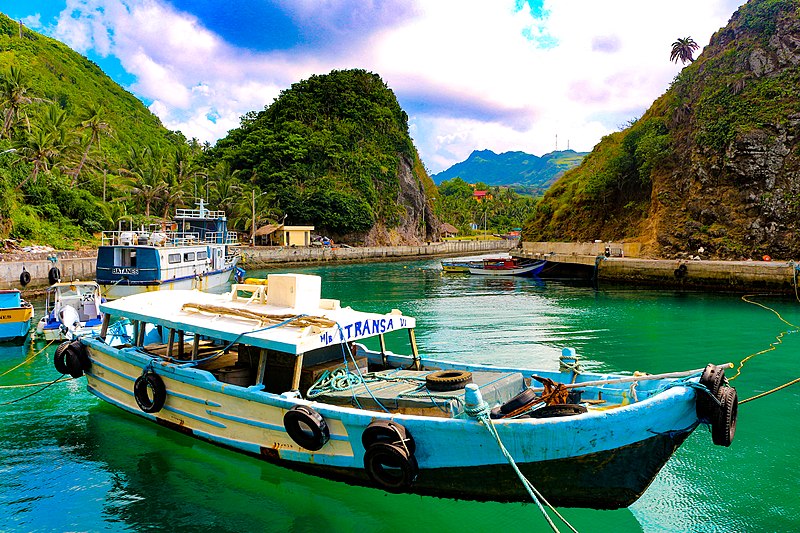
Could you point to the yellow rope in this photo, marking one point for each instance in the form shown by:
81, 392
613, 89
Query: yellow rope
28, 359
24, 385
776, 389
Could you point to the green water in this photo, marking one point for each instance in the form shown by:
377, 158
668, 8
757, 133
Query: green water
69, 462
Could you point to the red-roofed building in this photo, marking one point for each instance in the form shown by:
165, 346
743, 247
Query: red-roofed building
480, 196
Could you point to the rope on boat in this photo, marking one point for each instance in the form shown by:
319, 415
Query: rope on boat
300, 321
481, 412
45, 383
28, 359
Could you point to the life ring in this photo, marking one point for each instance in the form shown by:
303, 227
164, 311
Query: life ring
24, 277
76, 359
447, 380
553, 411
723, 428
306, 427
713, 378
150, 392
388, 431
60, 358
390, 466
54, 275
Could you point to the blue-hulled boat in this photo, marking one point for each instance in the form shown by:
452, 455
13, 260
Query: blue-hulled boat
277, 372
15, 317
195, 252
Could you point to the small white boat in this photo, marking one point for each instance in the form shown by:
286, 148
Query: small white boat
506, 267
281, 374
72, 309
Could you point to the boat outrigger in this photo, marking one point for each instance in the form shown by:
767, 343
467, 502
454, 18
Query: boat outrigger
200, 253
283, 375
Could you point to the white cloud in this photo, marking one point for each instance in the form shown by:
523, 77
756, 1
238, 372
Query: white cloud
473, 74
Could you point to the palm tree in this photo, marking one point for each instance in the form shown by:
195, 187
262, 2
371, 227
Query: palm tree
13, 99
92, 120
39, 149
683, 49
145, 176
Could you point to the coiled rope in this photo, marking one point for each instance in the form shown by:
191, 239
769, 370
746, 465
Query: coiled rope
481, 412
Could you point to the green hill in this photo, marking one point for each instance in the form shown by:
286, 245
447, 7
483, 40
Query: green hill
512, 168
334, 151
714, 164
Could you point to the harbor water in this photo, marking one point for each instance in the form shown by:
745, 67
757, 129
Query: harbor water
69, 462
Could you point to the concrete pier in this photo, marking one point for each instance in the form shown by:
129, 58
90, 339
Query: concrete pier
610, 263
81, 265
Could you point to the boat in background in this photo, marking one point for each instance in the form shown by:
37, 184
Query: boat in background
71, 309
494, 266
282, 374
16, 315
195, 252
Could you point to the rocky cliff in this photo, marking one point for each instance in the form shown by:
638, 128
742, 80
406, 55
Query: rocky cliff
714, 164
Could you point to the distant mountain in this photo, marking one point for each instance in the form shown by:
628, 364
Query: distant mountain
512, 168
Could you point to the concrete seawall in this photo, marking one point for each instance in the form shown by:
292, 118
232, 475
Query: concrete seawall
81, 265
733, 276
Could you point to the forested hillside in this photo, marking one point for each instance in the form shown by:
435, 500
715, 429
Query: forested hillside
333, 151
714, 164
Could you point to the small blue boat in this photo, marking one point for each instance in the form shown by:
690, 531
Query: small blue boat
280, 373
15, 317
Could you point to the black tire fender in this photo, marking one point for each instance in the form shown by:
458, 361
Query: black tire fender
447, 380
54, 275
60, 358
723, 428
306, 427
388, 431
76, 359
150, 392
713, 378
520, 400
24, 277
553, 411
390, 466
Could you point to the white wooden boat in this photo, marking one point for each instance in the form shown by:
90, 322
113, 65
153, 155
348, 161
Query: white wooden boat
284, 375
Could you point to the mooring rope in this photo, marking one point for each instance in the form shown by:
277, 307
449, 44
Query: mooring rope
45, 383
28, 359
772, 346
481, 412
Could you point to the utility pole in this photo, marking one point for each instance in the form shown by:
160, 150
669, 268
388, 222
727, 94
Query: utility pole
253, 225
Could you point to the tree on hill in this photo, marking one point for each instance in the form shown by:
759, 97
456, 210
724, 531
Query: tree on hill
683, 49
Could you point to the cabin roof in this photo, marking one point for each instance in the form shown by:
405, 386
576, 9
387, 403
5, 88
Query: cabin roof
293, 330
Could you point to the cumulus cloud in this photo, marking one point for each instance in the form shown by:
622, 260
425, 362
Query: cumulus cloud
471, 74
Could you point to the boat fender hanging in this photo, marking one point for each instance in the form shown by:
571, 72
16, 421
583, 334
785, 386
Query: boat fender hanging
390, 466
60, 358
24, 277
388, 431
77, 359
150, 392
54, 275
306, 427
681, 271
723, 427
712, 378
447, 380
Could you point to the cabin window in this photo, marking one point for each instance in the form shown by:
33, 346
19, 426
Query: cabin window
127, 257
202, 255
174, 258
188, 257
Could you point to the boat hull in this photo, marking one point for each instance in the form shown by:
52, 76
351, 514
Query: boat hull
15, 323
573, 461
202, 282
527, 270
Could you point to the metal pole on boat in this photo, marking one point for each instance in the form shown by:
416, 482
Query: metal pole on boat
414, 351
384, 358
104, 327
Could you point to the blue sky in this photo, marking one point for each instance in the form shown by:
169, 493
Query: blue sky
471, 74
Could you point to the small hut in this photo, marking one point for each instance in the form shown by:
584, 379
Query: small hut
448, 230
